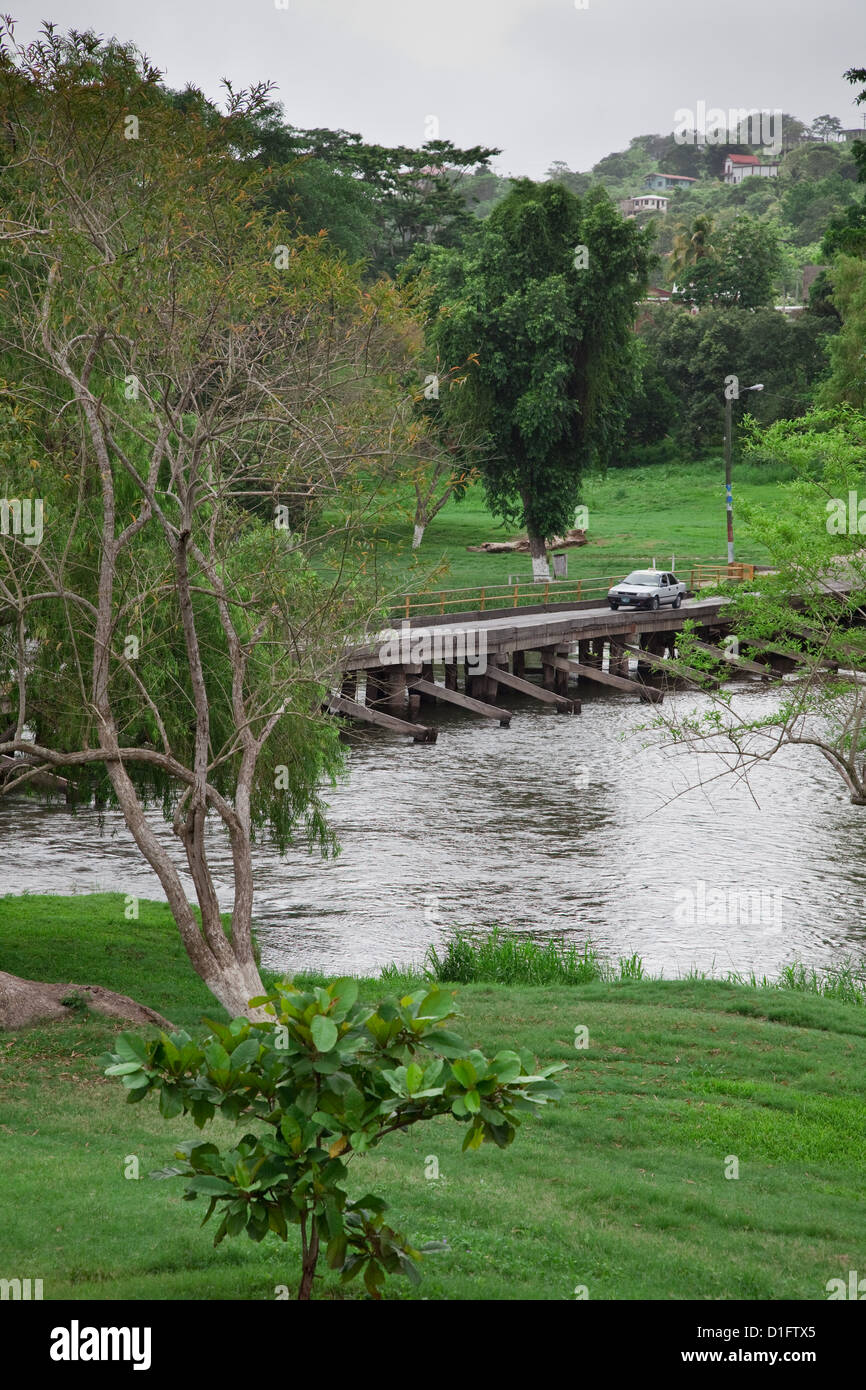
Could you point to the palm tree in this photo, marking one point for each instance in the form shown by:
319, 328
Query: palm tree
691, 244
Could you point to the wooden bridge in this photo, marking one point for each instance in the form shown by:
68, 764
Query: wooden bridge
491, 641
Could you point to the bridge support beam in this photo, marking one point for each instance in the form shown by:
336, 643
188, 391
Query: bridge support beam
454, 697
427, 675
618, 662
645, 692
501, 675
377, 690
553, 677
396, 692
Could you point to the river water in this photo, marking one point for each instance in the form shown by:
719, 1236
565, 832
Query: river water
561, 825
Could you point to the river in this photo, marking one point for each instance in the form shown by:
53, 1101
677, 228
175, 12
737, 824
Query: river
559, 825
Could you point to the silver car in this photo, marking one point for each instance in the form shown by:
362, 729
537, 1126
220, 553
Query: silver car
647, 589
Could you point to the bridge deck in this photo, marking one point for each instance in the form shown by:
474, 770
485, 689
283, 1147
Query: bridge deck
528, 629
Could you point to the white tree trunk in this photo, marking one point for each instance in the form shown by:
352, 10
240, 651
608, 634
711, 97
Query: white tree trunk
417, 535
538, 551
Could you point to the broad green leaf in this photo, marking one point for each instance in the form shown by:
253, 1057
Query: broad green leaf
216, 1057
324, 1032
170, 1102
464, 1072
336, 1254
219, 1187
345, 991
131, 1048
449, 1044
506, 1066
245, 1053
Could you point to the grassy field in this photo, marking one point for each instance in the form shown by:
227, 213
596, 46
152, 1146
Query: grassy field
635, 514
621, 1188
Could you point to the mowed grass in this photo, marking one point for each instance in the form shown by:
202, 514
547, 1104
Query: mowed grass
620, 1188
635, 515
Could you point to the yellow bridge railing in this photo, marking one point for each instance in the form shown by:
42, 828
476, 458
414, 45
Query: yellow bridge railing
522, 595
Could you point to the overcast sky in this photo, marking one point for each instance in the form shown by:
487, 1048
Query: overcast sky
541, 79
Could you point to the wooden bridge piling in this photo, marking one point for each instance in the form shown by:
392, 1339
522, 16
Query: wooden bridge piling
467, 702
538, 692
645, 692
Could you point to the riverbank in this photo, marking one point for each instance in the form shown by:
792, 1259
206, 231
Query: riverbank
621, 1188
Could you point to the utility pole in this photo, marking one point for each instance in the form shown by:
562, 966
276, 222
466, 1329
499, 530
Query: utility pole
729, 487
732, 393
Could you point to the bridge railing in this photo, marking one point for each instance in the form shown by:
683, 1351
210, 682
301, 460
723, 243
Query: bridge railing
503, 596
521, 595
714, 574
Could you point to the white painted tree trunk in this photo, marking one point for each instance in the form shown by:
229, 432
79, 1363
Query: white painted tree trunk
417, 535
540, 567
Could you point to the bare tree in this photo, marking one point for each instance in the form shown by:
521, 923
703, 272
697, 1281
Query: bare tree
209, 391
805, 616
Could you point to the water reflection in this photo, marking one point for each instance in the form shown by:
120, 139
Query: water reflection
565, 826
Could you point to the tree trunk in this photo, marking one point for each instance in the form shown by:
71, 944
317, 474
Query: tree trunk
418, 533
538, 551
309, 1258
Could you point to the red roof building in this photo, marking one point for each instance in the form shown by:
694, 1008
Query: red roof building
743, 166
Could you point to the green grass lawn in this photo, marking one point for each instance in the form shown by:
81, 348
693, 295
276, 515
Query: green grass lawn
635, 515
620, 1188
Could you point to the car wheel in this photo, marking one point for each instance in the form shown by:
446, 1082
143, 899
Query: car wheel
655, 601
678, 601
614, 606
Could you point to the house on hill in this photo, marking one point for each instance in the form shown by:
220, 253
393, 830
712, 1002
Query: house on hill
744, 166
643, 202
667, 181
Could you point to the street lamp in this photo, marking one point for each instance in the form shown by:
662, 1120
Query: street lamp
732, 393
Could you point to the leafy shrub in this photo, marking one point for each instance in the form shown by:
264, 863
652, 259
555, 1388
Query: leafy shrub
325, 1078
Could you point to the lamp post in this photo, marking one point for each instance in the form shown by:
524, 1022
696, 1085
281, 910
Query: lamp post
732, 393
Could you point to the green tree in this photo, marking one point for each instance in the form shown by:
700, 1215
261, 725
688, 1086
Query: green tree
576, 183
693, 353
814, 533
544, 299
825, 127
375, 200
190, 367
809, 206
857, 76
846, 232
691, 244
847, 379
740, 270
323, 1079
